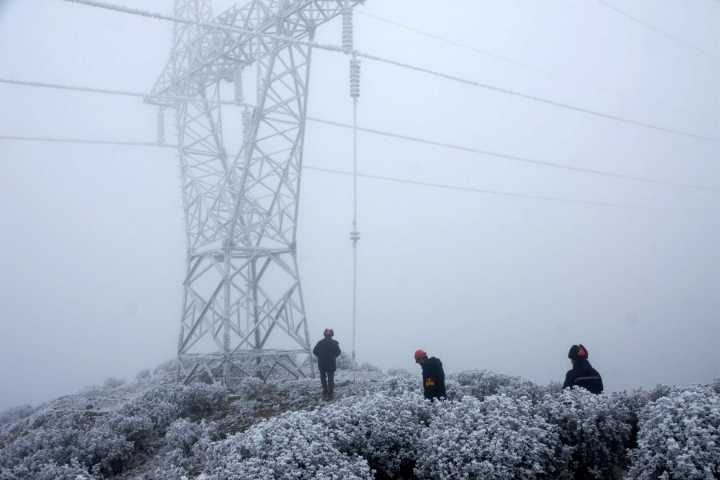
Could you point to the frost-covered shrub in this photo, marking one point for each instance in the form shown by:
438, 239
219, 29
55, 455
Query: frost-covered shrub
482, 383
292, 446
344, 362
679, 437
385, 430
112, 382
369, 367
401, 385
102, 442
498, 438
716, 385
63, 472
143, 375
15, 413
399, 372
595, 431
183, 434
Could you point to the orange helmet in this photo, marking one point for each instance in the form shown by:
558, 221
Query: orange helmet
420, 354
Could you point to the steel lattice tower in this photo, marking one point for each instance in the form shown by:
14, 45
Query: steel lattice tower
243, 311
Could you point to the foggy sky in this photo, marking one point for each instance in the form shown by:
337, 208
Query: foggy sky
91, 237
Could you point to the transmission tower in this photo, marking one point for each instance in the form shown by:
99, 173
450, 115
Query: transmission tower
243, 311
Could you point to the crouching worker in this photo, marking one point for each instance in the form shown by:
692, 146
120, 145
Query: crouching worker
433, 375
327, 350
582, 373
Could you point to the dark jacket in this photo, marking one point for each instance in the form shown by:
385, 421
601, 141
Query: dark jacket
585, 376
433, 378
326, 351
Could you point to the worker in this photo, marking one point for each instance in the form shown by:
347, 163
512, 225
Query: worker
582, 373
327, 350
433, 375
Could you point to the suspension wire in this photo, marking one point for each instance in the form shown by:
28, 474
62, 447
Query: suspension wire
455, 43
674, 38
396, 63
385, 133
107, 91
351, 173
553, 73
83, 141
484, 191
517, 158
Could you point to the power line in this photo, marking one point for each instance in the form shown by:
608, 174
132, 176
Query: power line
408, 66
674, 38
83, 141
385, 178
454, 43
509, 60
446, 186
106, 91
517, 158
415, 139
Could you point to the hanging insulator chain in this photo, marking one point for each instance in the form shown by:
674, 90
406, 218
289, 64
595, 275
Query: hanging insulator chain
355, 236
161, 126
355, 77
347, 28
237, 78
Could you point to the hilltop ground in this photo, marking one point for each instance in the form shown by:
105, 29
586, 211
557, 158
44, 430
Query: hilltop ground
492, 427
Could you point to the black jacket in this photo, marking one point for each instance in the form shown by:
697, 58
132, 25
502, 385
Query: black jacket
585, 376
326, 351
433, 378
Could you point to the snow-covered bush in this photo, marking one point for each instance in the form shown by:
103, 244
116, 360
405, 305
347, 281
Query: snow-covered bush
112, 382
401, 385
498, 438
595, 431
52, 471
482, 383
385, 430
344, 362
14, 414
102, 442
291, 446
679, 437
183, 434
399, 372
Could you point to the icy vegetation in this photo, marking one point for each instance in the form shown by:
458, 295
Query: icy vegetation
492, 427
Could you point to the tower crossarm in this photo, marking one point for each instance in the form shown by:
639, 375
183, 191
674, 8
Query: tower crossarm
221, 52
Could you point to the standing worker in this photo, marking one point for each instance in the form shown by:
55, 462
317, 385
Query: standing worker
433, 376
327, 350
582, 373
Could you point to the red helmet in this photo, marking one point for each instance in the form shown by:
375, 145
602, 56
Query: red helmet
578, 352
420, 354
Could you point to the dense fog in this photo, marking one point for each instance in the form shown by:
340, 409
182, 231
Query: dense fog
92, 252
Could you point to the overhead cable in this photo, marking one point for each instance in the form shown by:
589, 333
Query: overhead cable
82, 141
517, 158
484, 191
674, 38
396, 63
508, 60
385, 133
409, 138
443, 186
107, 91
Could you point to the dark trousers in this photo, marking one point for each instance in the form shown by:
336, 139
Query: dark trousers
327, 378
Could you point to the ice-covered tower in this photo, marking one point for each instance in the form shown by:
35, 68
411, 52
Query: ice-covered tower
243, 310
